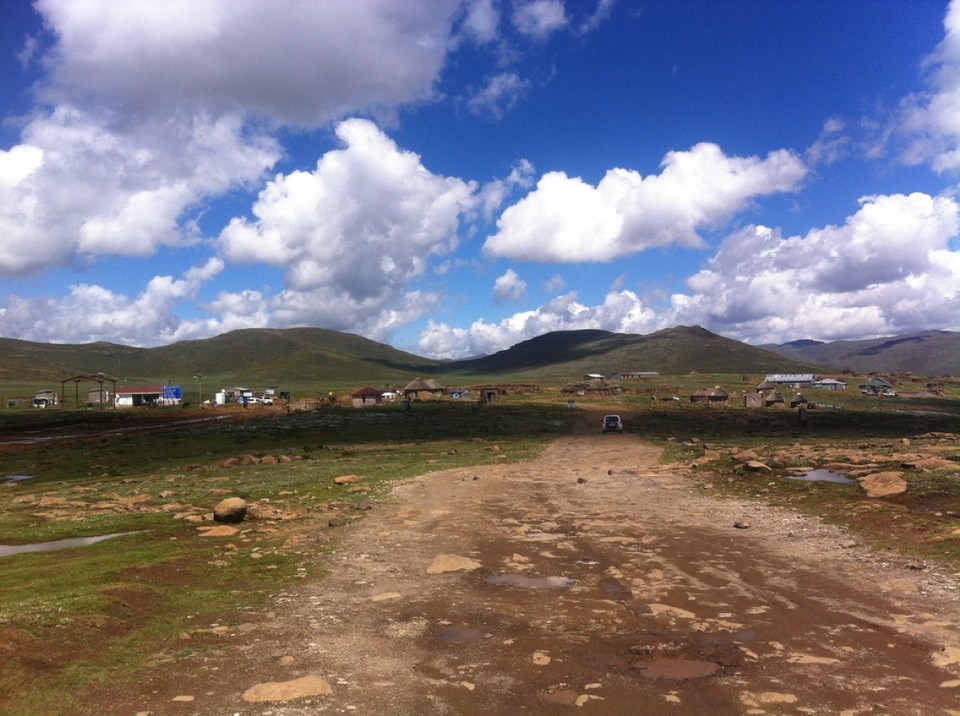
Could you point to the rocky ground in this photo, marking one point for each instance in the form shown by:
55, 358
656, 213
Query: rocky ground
592, 580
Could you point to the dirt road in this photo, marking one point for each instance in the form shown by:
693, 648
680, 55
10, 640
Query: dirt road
592, 580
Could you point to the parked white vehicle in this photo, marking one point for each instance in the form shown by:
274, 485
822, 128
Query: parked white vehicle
612, 424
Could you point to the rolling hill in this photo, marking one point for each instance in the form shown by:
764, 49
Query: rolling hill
315, 355
671, 351
924, 353
311, 355
262, 356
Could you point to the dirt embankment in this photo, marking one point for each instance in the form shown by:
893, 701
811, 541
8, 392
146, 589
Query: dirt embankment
591, 580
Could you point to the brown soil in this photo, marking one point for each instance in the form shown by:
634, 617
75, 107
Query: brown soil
603, 582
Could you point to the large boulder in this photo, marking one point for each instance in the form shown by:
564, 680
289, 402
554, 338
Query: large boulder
231, 510
883, 484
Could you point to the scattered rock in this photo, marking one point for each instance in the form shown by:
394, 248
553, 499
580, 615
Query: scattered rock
231, 510
741, 525
581, 480
288, 690
883, 484
756, 466
220, 531
947, 656
452, 563
931, 463
337, 522
346, 479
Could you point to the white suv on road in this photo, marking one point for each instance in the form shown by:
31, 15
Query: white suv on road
612, 424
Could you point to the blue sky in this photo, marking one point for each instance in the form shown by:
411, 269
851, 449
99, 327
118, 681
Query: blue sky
453, 178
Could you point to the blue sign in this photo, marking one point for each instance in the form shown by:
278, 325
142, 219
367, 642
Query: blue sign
172, 392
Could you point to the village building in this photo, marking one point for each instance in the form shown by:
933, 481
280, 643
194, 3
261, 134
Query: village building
773, 399
366, 396
423, 389
594, 387
237, 394
147, 395
829, 384
718, 395
876, 386
635, 375
798, 401
791, 380
99, 396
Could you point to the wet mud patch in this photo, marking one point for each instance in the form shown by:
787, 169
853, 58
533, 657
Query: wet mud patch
524, 581
458, 634
658, 654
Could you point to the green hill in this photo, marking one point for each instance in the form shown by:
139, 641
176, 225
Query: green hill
299, 356
261, 356
681, 350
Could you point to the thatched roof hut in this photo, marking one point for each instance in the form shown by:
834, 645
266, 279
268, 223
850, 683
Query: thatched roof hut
699, 396
718, 395
773, 399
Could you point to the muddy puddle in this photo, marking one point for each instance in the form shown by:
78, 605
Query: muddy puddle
824, 476
7, 550
16, 478
524, 581
460, 635
678, 669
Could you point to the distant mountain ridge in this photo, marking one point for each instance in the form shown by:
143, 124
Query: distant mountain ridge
923, 353
317, 355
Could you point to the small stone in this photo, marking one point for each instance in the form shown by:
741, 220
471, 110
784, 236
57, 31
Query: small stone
541, 658
741, 525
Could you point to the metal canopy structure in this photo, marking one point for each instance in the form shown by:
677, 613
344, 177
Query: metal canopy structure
99, 378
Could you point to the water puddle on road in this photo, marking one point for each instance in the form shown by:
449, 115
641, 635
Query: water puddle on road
679, 669
824, 476
460, 635
523, 581
7, 550
16, 478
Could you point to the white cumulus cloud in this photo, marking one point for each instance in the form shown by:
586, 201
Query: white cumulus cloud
90, 312
295, 62
566, 220
622, 311
509, 287
888, 269
354, 231
930, 120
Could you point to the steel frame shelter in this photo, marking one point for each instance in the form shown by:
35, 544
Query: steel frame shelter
99, 378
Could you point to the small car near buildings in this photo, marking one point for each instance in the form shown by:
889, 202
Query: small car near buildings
612, 424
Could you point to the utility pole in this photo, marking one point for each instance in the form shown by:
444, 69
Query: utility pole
199, 377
